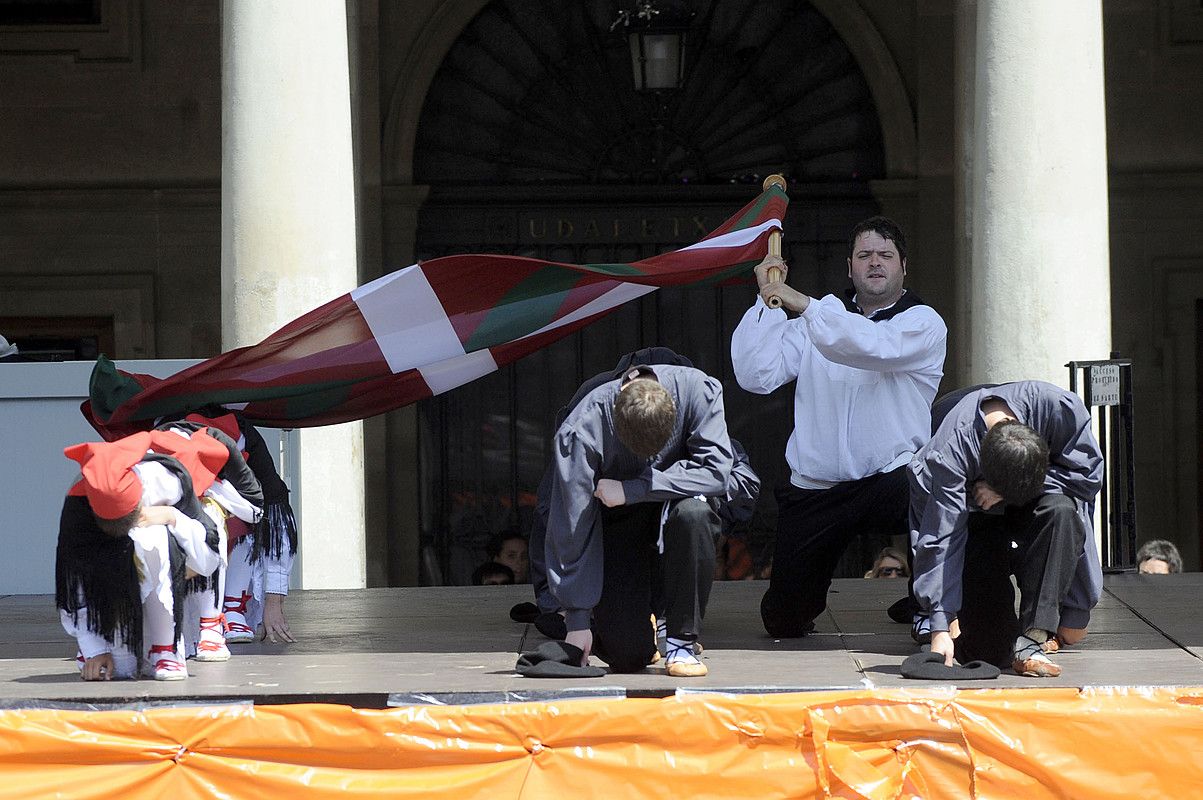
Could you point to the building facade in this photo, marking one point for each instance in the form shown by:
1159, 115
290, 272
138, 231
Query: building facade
513, 126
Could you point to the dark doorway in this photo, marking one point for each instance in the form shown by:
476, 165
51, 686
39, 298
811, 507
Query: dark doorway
534, 142
59, 338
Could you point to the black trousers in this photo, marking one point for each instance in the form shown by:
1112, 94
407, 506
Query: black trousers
814, 526
638, 581
1039, 544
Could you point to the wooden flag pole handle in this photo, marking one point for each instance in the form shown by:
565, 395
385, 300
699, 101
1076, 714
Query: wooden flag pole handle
774, 242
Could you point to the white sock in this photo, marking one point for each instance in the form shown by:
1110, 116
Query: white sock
1027, 644
158, 617
680, 650
238, 573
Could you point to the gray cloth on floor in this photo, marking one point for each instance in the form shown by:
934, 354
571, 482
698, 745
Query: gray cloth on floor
555, 660
930, 666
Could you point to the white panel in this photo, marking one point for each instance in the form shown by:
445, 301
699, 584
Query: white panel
736, 238
615, 297
454, 372
407, 320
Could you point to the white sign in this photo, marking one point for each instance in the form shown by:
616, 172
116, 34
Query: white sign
1104, 385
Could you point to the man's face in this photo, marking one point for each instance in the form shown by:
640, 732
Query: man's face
876, 270
513, 554
1154, 566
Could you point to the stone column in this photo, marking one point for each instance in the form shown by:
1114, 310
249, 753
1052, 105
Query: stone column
288, 231
956, 366
1039, 285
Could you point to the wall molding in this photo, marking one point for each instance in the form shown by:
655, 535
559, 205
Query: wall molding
115, 39
129, 299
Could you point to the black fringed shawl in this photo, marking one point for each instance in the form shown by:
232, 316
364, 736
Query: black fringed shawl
278, 528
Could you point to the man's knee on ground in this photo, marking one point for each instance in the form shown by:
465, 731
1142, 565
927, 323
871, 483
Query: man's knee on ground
1054, 509
692, 516
783, 624
628, 656
787, 629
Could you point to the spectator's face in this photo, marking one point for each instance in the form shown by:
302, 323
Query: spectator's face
494, 580
889, 568
1154, 566
513, 554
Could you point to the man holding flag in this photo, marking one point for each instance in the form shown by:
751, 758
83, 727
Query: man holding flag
867, 367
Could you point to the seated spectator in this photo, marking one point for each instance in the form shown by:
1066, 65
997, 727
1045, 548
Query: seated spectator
491, 573
509, 548
889, 564
1158, 557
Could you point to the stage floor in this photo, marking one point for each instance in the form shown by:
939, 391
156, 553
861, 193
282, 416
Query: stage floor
456, 645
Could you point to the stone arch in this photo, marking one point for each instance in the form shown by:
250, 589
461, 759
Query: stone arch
885, 82
448, 20
407, 90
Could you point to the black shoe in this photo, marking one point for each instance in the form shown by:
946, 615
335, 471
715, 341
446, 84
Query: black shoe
551, 625
524, 612
903, 612
791, 631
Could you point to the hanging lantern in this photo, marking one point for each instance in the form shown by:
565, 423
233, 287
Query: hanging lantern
656, 36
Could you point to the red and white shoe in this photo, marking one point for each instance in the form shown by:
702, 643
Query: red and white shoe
212, 644
164, 664
235, 615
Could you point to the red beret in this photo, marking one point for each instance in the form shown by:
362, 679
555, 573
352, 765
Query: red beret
202, 455
112, 487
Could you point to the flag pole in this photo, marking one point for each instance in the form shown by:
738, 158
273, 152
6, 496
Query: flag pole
774, 240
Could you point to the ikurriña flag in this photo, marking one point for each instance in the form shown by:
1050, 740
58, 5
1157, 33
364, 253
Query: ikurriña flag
420, 331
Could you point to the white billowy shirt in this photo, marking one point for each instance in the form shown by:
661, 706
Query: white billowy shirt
161, 488
865, 385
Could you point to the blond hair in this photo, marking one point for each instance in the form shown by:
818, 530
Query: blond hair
644, 416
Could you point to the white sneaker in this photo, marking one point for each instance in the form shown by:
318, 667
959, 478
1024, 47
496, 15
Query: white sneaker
164, 664
212, 644
235, 615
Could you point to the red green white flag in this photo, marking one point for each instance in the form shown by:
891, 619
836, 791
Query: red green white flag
420, 331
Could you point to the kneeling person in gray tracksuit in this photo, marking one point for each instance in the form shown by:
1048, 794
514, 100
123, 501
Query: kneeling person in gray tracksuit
1006, 486
634, 463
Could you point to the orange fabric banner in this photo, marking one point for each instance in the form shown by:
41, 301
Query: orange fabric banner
878, 744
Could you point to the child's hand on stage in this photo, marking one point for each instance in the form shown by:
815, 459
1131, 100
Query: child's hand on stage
98, 668
275, 625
